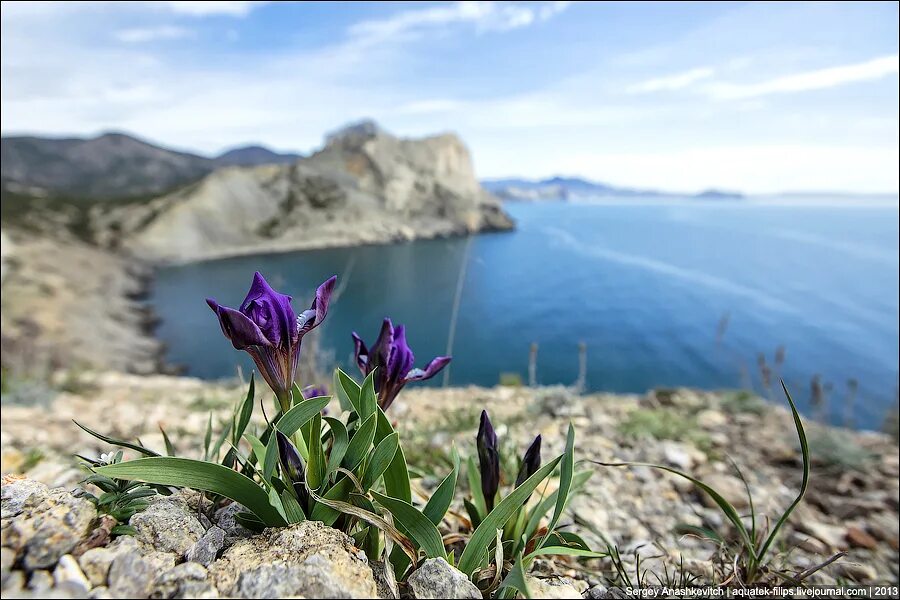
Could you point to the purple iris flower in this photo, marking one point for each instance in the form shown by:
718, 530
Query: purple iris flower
488, 460
393, 359
531, 462
266, 327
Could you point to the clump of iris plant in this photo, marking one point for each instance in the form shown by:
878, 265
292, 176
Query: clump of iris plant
350, 471
392, 360
267, 328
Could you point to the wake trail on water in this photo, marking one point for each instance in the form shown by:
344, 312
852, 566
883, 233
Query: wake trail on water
676, 272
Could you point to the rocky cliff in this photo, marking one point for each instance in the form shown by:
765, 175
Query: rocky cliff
364, 186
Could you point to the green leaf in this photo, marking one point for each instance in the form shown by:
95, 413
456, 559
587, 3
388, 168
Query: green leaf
340, 441
339, 491
246, 411
368, 402
207, 439
271, 459
170, 449
440, 500
804, 484
292, 509
214, 453
538, 512
291, 421
380, 460
259, 450
727, 509
350, 388
566, 470
422, 531
516, 579
497, 518
117, 442
474, 476
315, 472
198, 475
396, 477
360, 444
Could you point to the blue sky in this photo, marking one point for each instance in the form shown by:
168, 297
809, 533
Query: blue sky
756, 97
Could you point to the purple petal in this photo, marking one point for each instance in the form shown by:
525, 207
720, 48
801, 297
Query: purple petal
237, 327
360, 352
270, 310
380, 351
401, 358
430, 370
312, 317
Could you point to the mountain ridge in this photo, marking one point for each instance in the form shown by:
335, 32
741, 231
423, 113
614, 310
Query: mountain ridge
567, 188
111, 165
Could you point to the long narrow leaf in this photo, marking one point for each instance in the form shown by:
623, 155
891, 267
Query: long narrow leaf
420, 529
727, 509
396, 477
350, 388
340, 441
804, 484
300, 414
360, 444
516, 579
315, 472
498, 517
380, 460
440, 500
246, 411
368, 402
117, 442
198, 475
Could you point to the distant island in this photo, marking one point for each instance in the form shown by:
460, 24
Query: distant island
576, 188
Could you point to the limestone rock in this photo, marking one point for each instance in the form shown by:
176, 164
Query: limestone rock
551, 588
134, 569
435, 578
307, 559
205, 549
68, 576
187, 580
168, 524
42, 525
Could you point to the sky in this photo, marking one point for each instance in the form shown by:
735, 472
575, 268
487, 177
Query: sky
756, 97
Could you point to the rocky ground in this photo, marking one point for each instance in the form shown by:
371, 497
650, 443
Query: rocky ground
54, 543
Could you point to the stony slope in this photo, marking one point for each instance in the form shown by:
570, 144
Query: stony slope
364, 186
851, 506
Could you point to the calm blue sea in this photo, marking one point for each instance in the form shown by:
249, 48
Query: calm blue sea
662, 294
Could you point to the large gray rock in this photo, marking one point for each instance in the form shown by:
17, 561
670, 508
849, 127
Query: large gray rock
168, 525
435, 578
187, 580
134, 568
43, 525
307, 559
205, 549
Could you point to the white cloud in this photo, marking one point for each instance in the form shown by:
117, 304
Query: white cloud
208, 7
486, 16
673, 82
810, 80
140, 35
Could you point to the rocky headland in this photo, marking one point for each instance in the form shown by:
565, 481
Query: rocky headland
77, 267
184, 546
